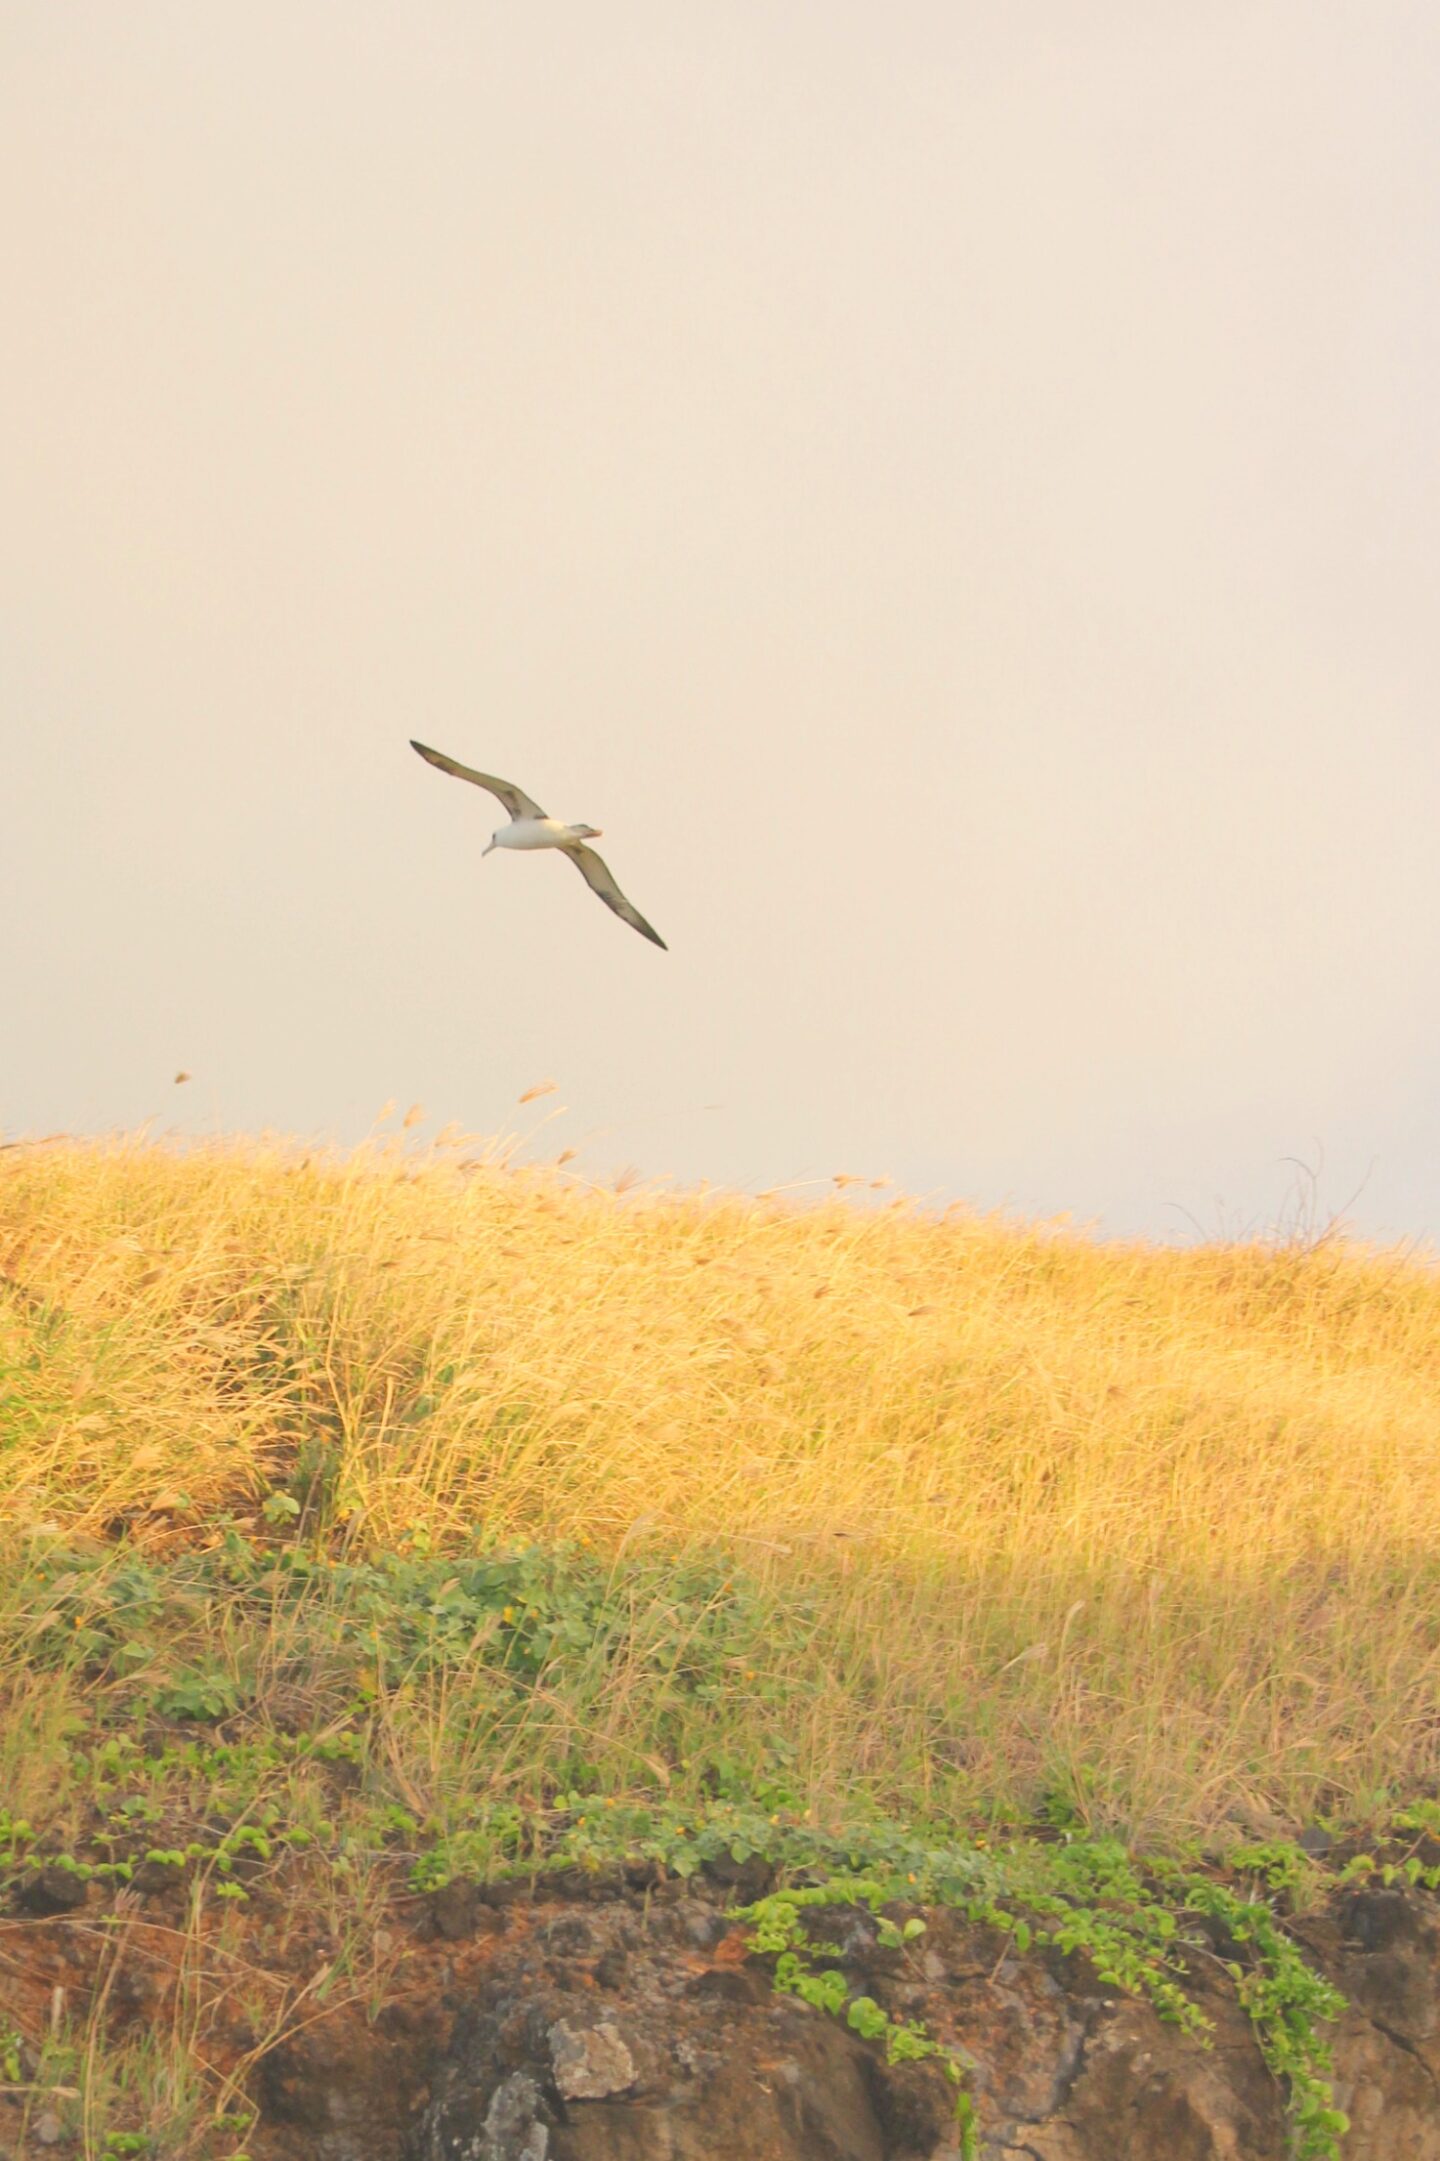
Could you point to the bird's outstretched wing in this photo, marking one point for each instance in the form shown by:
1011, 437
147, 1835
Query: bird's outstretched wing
597, 876
516, 801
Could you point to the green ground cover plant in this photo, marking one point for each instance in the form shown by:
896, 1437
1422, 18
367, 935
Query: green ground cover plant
244, 1712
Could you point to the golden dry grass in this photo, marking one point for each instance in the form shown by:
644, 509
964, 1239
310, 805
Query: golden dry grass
1153, 1530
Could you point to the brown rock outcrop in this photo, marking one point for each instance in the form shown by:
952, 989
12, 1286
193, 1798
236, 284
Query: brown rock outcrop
615, 2026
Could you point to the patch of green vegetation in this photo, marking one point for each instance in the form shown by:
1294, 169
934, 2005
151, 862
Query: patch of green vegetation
777, 1930
1288, 2004
130, 2097
242, 1713
490, 1688
11, 2070
1090, 1897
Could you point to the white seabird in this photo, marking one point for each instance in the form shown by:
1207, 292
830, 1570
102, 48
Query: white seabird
530, 828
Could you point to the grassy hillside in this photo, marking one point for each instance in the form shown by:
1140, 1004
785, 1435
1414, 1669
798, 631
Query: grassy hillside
944, 1519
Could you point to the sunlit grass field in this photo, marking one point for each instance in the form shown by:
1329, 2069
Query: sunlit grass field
1136, 1537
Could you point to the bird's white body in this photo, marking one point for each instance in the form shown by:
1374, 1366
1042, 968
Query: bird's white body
541, 833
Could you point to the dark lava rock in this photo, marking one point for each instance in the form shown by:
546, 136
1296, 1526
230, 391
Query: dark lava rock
640, 2028
52, 1890
460, 1909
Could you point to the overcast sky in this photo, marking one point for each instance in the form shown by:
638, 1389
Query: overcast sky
952, 490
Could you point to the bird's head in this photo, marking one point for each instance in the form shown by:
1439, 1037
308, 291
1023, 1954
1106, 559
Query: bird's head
589, 832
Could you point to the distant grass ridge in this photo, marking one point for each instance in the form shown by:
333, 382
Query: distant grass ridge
1026, 1522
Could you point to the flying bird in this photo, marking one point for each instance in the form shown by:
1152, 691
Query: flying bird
530, 828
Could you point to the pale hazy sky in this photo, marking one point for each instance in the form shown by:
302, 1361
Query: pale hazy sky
952, 489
